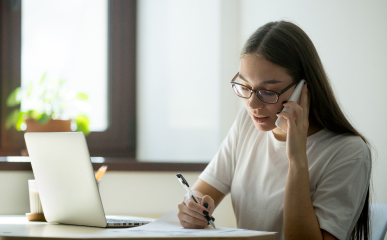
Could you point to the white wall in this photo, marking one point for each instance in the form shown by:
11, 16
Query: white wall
351, 38
178, 80
188, 52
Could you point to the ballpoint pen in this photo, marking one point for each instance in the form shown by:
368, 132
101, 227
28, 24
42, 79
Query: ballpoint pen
186, 186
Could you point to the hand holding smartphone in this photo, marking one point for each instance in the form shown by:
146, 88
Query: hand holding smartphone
281, 123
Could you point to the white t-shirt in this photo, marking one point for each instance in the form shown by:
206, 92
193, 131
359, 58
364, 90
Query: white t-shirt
253, 166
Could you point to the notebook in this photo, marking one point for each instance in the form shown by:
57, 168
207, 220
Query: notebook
66, 183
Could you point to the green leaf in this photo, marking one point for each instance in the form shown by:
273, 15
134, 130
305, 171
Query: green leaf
15, 118
83, 124
12, 119
62, 82
81, 96
30, 89
13, 98
33, 114
20, 120
43, 118
42, 79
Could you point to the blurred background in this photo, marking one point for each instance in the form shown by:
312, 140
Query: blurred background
156, 74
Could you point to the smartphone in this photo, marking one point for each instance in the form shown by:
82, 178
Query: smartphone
281, 123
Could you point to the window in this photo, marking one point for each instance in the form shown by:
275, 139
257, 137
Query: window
67, 39
118, 140
179, 78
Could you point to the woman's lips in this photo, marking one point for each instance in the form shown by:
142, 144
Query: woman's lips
260, 120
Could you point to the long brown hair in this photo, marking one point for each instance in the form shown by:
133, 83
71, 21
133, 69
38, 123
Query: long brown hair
286, 45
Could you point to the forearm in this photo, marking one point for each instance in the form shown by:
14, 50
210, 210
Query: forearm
197, 193
300, 221
201, 188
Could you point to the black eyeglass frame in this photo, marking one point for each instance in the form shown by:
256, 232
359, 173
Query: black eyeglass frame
256, 91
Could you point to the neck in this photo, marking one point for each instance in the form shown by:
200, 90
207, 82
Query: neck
281, 136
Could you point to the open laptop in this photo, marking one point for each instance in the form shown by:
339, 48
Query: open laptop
65, 179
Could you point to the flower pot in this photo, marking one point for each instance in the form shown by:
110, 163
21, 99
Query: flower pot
51, 126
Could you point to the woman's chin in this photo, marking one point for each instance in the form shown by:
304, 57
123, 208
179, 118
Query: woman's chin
264, 127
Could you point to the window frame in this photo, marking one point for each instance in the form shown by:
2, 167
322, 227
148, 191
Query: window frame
119, 140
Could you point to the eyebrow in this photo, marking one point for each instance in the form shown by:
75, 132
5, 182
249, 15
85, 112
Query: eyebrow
273, 81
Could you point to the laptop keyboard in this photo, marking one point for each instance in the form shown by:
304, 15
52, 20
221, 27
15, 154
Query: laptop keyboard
120, 222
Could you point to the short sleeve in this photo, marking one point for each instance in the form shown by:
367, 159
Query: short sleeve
340, 195
219, 172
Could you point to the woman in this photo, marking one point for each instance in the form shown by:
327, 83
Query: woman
309, 183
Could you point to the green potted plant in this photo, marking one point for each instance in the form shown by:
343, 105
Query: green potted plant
47, 106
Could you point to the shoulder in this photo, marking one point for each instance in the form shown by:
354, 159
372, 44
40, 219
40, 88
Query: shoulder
351, 146
342, 148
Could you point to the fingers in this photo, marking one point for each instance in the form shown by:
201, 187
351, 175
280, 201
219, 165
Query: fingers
289, 119
190, 226
305, 102
191, 214
301, 110
189, 218
208, 203
192, 205
298, 115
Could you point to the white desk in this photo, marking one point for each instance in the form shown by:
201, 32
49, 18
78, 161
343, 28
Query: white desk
18, 227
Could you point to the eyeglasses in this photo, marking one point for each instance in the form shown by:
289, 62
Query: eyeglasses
265, 96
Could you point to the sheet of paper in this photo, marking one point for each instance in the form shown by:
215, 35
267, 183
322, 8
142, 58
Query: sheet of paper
169, 225
166, 226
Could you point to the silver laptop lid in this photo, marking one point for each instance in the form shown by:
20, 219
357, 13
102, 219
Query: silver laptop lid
65, 178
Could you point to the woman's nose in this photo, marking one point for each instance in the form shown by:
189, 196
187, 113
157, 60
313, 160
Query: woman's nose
255, 102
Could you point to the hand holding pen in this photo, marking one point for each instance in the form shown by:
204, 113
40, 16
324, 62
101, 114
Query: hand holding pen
195, 212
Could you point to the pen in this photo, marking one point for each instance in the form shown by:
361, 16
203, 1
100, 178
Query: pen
186, 186
101, 171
